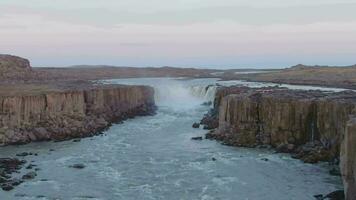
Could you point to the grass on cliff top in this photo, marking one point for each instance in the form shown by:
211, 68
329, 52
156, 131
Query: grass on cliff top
29, 89
328, 76
26, 89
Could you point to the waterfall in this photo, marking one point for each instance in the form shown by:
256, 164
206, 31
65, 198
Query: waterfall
207, 93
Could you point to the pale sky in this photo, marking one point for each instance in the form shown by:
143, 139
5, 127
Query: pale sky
183, 33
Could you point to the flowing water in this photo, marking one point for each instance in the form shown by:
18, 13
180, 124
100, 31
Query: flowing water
153, 157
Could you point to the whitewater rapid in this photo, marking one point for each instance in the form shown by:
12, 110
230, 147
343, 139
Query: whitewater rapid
153, 157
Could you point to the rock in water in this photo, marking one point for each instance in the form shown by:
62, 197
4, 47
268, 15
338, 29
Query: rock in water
7, 187
196, 125
78, 166
29, 175
336, 195
197, 138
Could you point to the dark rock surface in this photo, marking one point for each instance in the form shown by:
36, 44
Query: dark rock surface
77, 166
197, 138
196, 125
29, 175
8, 166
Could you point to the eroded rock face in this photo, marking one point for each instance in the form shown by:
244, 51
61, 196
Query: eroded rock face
312, 125
348, 160
307, 123
68, 114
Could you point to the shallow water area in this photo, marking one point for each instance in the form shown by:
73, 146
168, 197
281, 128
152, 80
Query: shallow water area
153, 157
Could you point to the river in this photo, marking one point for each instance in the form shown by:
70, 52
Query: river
153, 157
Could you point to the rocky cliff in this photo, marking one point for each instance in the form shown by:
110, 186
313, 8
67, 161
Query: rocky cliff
286, 119
70, 113
312, 125
348, 159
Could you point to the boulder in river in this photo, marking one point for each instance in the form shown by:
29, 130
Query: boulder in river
196, 125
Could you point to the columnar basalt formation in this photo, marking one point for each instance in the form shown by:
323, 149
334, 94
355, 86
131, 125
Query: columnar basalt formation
65, 114
348, 159
312, 125
286, 119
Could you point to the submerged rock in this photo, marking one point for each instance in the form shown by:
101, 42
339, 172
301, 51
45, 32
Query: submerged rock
196, 125
197, 138
8, 166
336, 195
77, 166
335, 171
29, 175
23, 154
7, 186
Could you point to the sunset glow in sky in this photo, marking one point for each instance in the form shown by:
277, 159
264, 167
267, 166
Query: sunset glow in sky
186, 33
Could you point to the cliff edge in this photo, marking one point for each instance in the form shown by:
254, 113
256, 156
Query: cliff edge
61, 114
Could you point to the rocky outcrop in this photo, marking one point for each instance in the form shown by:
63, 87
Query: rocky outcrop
13, 67
60, 115
348, 160
14, 63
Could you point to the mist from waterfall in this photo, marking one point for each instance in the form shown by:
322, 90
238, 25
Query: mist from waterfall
177, 93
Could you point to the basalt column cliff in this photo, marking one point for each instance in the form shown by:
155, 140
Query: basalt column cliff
44, 111
348, 159
312, 125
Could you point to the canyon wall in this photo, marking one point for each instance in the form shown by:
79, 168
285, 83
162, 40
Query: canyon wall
285, 119
311, 125
60, 115
348, 159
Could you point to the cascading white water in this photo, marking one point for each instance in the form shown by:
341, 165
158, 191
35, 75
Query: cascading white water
176, 93
206, 92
